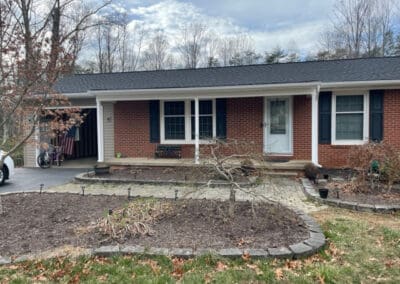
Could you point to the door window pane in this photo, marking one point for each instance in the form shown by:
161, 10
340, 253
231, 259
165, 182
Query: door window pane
278, 117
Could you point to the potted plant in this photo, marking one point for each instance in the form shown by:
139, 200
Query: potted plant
323, 193
101, 169
119, 155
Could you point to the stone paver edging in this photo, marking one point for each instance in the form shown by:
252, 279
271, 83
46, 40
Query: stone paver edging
312, 194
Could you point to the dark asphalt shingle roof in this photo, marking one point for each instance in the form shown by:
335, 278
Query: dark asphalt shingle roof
365, 69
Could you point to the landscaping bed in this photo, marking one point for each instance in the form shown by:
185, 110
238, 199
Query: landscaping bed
345, 191
199, 174
37, 222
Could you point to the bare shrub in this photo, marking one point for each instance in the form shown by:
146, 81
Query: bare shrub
234, 161
134, 220
375, 163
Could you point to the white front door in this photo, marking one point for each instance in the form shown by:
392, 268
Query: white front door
278, 126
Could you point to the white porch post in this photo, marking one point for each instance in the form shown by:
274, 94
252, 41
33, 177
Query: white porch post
100, 131
314, 126
196, 131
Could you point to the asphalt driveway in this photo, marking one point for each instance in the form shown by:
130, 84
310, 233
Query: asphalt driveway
28, 179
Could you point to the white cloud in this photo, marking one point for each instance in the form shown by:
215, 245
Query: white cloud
171, 15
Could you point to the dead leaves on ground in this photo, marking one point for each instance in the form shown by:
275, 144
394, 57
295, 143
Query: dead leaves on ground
152, 264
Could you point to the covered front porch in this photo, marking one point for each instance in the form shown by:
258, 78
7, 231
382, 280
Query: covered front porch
134, 123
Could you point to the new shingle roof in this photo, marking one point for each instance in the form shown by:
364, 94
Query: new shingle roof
365, 69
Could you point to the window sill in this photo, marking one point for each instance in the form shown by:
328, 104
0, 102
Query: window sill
348, 142
184, 142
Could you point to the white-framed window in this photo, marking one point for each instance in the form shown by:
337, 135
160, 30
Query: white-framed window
177, 121
350, 117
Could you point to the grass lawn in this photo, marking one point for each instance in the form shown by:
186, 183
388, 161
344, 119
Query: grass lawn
363, 248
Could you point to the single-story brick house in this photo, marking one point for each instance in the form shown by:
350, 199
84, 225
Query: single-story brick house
313, 111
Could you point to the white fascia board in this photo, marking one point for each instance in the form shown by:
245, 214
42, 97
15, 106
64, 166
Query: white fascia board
87, 95
213, 92
387, 84
232, 91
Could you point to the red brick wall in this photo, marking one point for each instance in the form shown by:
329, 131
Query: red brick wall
391, 117
132, 129
302, 128
331, 156
244, 119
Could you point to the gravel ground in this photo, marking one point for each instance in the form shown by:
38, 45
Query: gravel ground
285, 190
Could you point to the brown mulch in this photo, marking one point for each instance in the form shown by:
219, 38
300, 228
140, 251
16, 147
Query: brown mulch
188, 174
33, 223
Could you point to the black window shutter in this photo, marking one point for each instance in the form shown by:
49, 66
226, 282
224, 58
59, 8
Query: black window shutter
221, 118
376, 115
325, 117
154, 110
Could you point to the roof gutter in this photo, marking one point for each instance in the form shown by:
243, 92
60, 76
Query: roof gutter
200, 90
86, 95
103, 94
362, 84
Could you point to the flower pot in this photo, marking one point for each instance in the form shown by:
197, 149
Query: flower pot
323, 193
101, 170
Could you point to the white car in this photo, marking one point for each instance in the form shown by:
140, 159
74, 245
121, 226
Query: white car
8, 168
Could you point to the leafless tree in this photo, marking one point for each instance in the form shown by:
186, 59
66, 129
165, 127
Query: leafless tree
111, 38
39, 44
234, 161
192, 44
360, 28
156, 56
232, 46
134, 48
211, 50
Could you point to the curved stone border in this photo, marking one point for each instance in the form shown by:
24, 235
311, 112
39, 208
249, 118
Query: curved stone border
313, 244
312, 194
83, 177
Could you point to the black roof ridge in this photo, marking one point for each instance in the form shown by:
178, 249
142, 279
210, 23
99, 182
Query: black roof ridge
239, 66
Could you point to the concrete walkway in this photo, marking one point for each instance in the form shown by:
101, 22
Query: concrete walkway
287, 191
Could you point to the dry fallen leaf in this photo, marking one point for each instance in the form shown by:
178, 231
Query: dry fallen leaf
40, 277
254, 267
246, 256
178, 267
278, 274
293, 264
321, 279
153, 265
221, 266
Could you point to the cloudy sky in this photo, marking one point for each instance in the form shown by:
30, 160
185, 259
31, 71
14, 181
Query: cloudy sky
269, 22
